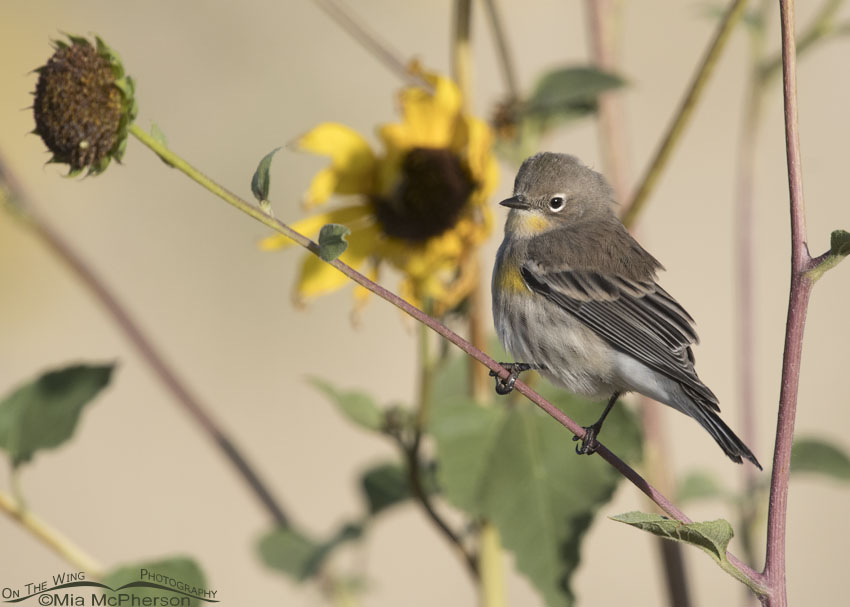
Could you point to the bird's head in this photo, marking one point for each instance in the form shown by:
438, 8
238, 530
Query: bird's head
554, 190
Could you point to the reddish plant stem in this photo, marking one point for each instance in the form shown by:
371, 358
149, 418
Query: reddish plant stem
801, 285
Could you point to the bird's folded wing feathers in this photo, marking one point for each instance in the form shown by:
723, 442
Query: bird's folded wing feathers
637, 317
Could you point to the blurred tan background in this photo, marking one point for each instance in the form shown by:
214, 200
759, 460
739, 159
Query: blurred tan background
229, 81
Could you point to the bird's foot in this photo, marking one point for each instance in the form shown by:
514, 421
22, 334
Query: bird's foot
589, 444
505, 386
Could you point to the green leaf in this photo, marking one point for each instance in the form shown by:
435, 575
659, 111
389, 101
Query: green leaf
711, 536
43, 413
162, 582
385, 485
332, 242
388, 484
260, 181
358, 407
815, 455
569, 92
293, 553
839, 243
699, 485
515, 466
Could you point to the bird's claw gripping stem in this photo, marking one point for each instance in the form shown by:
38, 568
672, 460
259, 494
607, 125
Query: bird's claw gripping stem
505, 386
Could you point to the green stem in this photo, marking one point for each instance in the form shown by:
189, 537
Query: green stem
505, 61
461, 53
426, 379
492, 568
52, 538
683, 115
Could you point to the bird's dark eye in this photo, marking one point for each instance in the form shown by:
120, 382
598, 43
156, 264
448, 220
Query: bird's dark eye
556, 203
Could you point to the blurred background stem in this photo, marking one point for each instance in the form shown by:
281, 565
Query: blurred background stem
682, 116
51, 537
183, 396
744, 277
506, 63
491, 587
603, 29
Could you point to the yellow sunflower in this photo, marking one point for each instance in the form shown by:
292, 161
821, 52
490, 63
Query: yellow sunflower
421, 205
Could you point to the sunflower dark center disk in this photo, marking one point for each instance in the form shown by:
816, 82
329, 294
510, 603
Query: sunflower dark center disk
77, 106
432, 191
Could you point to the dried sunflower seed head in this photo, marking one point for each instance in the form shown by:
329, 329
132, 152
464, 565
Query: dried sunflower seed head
84, 105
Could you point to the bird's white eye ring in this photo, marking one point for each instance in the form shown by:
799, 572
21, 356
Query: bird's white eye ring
557, 202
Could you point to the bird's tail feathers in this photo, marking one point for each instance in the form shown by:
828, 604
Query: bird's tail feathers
704, 413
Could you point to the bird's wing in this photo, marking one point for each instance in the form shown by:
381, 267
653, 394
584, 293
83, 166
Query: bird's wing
637, 317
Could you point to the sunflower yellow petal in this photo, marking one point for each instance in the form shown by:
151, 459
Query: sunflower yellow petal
323, 185
309, 227
319, 278
478, 143
352, 161
429, 118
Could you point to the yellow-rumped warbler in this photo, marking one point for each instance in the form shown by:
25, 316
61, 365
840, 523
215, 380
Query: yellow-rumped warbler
575, 298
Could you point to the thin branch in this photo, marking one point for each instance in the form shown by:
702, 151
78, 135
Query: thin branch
145, 348
801, 286
677, 127
370, 41
506, 63
275, 224
411, 450
414, 466
822, 26
51, 537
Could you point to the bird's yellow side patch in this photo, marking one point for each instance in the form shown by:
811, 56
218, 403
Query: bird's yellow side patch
509, 280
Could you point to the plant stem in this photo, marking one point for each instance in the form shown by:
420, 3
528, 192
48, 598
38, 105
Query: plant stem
521, 387
370, 41
412, 453
491, 591
492, 574
822, 26
505, 61
461, 52
801, 284
414, 467
602, 17
603, 30
145, 348
462, 74
54, 540
745, 277
677, 127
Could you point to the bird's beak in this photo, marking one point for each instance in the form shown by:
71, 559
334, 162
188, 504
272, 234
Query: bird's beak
516, 202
